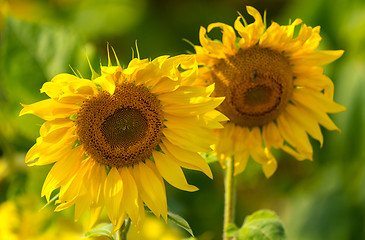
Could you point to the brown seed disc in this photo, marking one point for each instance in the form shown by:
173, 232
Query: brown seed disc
122, 129
257, 83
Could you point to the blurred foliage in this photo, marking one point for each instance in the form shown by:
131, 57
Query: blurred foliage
323, 199
261, 225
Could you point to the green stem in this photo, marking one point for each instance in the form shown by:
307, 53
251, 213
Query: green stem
123, 231
229, 197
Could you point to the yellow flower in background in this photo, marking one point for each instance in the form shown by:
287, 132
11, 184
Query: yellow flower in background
22, 219
9, 220
115, 138
275, 89
154, 229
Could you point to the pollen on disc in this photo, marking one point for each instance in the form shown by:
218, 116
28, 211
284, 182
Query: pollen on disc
257, 83
120, 129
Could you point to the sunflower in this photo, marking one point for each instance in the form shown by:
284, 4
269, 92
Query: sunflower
113, 139
276, 91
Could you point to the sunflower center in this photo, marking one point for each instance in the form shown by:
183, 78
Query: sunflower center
257, 83
121, 129
125, 127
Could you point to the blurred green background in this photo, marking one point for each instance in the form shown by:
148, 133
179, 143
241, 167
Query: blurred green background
324, 199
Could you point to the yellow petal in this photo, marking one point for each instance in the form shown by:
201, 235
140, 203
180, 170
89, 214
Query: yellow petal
317, 113
110, 69
186, 94
71, 189
95, 186
213, 119
189, 76
318, 58
205, 105
289, 150
81, 205
45, 153
49, 109
105, 84
84, 87
271, 165
251, 33
50, 126
53, 89
143, 195
271, 135
317, 83
228, 38
254, 141
97, 177
164, 85
59, 85
214, 47
172, 172
226, 143
71, 98
153, 191
187, 159
188, 140
95, 211
113, 194
313, 99
56, 136
130, 198
210, 120
254, 138
151, 165
62, 171
294, 135
240, 161
305, 121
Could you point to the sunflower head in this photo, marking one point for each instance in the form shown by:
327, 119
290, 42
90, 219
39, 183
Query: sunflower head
274, 88
113, 139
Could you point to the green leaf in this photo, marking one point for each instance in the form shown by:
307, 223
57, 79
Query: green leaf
180, 222
51, 201
262, 225
231, 230
102, 229
30, 55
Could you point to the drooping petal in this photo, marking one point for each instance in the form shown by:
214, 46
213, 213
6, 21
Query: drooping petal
172, 172
229, 36
62, 170
270, 166
271, 135
130, 198
113, 194
187, 159
308, 97
240, 161
213, 47
309, 124
295, 135
315, 112
43, 153
187, 141
151, 189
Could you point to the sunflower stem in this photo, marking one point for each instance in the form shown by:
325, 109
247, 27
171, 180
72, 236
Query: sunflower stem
124, 229
229, 197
